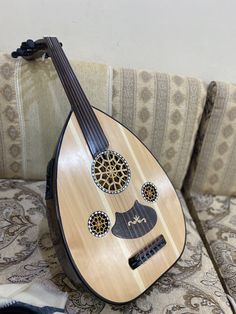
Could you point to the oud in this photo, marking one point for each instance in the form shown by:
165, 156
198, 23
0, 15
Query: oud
114, 216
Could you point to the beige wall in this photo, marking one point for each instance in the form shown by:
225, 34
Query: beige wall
193, 37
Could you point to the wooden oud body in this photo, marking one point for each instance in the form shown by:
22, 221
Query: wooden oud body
102, 263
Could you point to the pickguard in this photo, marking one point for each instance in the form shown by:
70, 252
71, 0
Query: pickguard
135, 222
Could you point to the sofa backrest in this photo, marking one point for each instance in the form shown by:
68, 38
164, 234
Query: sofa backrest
213, 166
34, 108
162, 110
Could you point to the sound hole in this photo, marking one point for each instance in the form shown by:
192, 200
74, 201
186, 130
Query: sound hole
111, 172
149, 192
99, 224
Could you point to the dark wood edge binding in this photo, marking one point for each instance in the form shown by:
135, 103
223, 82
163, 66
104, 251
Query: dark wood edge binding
56, 229
53, 215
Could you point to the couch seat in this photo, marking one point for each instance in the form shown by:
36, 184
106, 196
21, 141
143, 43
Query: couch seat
27, 254
216, 217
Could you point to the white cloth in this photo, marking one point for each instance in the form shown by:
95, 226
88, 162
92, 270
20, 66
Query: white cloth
37, 294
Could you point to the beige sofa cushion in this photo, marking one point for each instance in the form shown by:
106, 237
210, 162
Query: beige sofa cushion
34, 108
27, 254
216, 216
164, 111
213, 168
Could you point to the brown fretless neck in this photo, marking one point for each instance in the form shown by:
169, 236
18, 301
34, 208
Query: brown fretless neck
89, 124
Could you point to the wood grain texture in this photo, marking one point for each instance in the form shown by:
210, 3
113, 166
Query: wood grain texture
103, 262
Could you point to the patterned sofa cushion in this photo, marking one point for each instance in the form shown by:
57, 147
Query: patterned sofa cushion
164, 111
217, 219
27, 254
213, 167
33, 110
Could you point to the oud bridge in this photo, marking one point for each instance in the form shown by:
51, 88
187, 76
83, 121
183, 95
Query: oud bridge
147, 252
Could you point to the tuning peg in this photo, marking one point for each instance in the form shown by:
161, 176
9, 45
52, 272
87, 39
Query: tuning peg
17, 53
24, 44
14, 54
30, 44
30, 49
20, 51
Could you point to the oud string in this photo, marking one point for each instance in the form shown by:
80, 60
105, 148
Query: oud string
59, 56
65, 81
86, 106
90, 116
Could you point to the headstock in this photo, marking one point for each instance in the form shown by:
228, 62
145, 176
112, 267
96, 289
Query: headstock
30, 49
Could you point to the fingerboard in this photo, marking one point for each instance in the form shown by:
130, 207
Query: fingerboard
89, 124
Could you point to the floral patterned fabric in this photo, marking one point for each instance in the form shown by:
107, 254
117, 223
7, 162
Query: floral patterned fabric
27, 254
217, 220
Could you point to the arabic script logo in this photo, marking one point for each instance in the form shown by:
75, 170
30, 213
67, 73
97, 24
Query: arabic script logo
136, 220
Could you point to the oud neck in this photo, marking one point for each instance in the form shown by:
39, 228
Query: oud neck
80, 105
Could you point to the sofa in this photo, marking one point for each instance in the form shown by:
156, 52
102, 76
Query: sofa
188, 124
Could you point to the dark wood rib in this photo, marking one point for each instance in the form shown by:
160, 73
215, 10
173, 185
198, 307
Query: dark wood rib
90, 126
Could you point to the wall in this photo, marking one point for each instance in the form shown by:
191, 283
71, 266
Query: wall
185, 37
